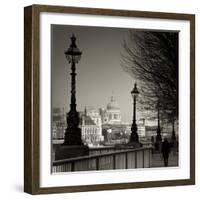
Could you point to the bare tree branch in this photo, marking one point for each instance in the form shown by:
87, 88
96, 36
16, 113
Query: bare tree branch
152, 58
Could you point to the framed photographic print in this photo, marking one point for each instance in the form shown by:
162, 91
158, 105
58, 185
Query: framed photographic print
109, 99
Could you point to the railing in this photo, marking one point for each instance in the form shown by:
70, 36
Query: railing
104, 150
119, 159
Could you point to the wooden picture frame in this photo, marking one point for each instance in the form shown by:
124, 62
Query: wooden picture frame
32, 98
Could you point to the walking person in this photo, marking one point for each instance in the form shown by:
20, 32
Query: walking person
165, 151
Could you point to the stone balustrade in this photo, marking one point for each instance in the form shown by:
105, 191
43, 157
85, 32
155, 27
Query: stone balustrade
106, 158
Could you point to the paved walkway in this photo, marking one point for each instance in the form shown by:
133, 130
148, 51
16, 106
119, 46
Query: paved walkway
157, 160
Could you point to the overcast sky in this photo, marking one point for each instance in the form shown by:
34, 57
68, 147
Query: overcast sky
98, 72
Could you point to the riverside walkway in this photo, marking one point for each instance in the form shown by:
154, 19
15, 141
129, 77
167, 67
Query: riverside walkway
157, 160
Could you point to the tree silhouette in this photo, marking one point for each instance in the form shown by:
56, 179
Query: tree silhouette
152, 59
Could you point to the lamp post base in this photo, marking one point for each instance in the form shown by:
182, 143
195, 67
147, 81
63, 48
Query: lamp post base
67, 151
158, 142
134, 135
72, 146
134, 144
158, 138
73, 136
173, 138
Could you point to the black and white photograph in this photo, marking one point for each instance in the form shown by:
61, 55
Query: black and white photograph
114, 98
109, 99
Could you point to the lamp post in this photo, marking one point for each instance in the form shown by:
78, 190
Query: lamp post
158, 135
73, 132
134, 135
173, 138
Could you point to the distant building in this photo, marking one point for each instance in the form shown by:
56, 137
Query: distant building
141, 128
120, 133
91, 126
166, 130
90, 123
58, 123
112, 114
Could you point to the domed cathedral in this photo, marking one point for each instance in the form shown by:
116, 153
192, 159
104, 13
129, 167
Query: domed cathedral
112, 114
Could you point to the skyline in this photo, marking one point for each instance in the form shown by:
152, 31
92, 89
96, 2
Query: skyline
99, 73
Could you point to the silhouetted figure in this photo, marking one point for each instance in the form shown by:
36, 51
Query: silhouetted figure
165, 151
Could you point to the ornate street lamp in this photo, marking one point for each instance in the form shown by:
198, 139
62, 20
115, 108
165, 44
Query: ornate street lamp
73, 132
134, 135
